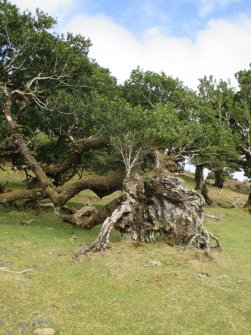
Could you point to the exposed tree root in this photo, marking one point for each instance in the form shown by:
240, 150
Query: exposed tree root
103, 239
158, 209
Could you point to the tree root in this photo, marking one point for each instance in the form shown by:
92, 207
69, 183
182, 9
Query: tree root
160, 208
103, 239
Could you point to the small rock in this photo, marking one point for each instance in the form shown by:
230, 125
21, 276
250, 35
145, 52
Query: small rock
1, 321
155, 263
39, 321
23, 325
4, 264
239, 282
44, 331
202, 274
148, 266
73, 238
152, 264
222, 277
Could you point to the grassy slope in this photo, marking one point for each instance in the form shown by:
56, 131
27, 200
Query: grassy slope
115, 293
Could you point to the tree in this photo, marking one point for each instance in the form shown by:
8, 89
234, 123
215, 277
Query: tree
47, 83
53, 96
230, 111
151, 207
218, 143
149, 89
241, 121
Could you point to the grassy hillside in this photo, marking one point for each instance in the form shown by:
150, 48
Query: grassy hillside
131, 289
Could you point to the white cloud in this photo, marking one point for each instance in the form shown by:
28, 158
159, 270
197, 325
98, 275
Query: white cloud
52, 7
206, 7
221, 49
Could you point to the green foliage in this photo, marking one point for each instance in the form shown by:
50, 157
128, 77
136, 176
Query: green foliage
61, 93
241, 117
54, 84
217, 143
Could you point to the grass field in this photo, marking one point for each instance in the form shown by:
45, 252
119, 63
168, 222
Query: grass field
130, 289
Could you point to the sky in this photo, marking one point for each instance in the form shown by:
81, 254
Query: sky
186, 39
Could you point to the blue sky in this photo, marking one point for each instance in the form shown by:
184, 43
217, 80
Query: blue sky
180, 17
184, 38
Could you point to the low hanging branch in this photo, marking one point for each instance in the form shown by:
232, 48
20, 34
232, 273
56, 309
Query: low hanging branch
101, 185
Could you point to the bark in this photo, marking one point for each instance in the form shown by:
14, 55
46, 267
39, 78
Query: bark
246, 164
101, 185
219, 178
204, 192
102, 214
158, 159
2, 188
9, 197
75, 218
248, 204
68, 168
157, 209
249, 200
103, 239
25, 151
199, 178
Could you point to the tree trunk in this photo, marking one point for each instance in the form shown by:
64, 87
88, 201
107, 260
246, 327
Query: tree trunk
248, 204
204, 192
101, 185
199, 178
219, 178
156, 209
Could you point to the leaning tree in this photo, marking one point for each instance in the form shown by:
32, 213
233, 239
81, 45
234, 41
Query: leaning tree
217, 144
62, 114
154, 204
241, 122
48, 87
228, 113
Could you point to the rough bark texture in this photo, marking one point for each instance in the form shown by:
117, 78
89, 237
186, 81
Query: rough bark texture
199, 178
219, 178
248, 204
154, 209
68, 168
204, 192
101, 185
103, 213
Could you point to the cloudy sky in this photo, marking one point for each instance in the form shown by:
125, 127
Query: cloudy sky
184, 38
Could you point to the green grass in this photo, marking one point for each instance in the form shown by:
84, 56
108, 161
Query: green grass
115, 292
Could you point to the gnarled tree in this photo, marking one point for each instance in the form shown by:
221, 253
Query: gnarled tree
58, 110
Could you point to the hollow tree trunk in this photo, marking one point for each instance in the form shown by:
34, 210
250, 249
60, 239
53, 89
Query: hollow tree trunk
199, 178
219, 178
159, 208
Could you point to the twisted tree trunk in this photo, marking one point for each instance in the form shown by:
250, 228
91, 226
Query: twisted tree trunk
159, 208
